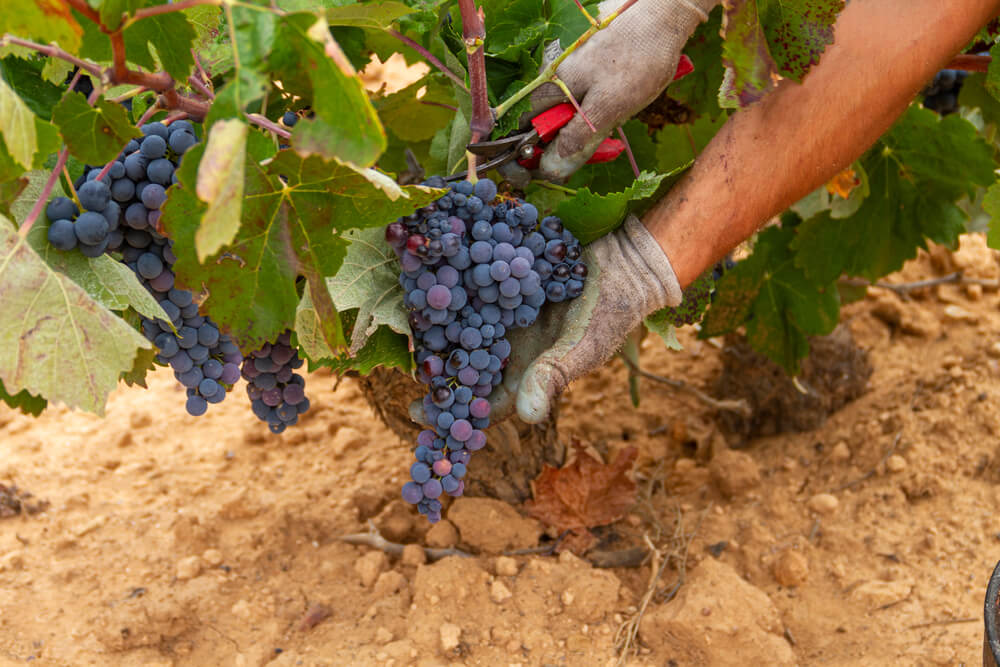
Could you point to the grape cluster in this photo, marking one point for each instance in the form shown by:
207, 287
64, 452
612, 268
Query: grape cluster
277, 394
129, 193
941, 95
474, 266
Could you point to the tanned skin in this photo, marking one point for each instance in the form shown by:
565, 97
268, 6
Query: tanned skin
770, 155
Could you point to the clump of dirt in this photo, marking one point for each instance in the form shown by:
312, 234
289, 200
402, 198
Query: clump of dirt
176, 541
836, 372
14, 501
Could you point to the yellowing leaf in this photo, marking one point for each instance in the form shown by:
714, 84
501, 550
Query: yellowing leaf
843, 183
220, 185
17, 125
55, 340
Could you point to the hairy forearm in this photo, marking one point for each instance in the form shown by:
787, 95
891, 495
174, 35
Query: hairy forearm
770, 155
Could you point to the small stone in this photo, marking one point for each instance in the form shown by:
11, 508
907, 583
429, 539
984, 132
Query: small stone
840, 452
189, 568
505, 566
348, 438
881, 593
958, 313
442, 535
213, 557
734, 472
499, 592
370, 566
823, 503
450, 634
994, 350
383, 636
140, 420
974, 292
413, 555
12, 560
389, 582
567, 598
791, 568
895, 463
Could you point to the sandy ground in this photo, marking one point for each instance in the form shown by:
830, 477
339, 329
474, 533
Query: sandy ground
171, 540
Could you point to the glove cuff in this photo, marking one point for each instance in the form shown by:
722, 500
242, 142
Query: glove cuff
653, 274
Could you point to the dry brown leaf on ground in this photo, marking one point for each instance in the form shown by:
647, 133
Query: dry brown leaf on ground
585, 493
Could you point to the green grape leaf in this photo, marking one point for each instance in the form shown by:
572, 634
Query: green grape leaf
590, 216
448, 146
385, 348
377, 15
369, 281
779, 304
699, 90
915, 174
798, 31
678, 145
518, 26
991, 204
12, 180
205, 20
220, 185
23, 401
94, 134
345, 125
55, 71
26, 78
294, 211
974, 95
695, 300
55, 340
660, 323
170, 35
43, 20
413, 118
992, 82
750, 69
17, 126
617, 175
143, 364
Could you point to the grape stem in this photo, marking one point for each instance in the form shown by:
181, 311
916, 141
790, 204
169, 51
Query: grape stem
43, 197
572, 99
267, 124
197, 84
51, 51
628, 151
429, 57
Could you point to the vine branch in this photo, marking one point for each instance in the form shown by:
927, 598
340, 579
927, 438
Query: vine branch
474, 34
43, 197
267, 124
51, 51
429, 57
970, 63
740, 407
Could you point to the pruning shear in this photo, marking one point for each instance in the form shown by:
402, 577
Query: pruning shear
525, 148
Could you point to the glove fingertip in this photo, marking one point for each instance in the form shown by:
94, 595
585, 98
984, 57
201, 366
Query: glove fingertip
533, 396
416, 410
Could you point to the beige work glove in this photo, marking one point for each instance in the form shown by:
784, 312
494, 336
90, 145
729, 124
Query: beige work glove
616, 74
629, 278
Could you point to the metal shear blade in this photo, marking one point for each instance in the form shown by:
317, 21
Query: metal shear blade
501, 151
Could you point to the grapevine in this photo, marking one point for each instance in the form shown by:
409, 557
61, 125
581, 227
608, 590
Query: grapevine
211, 187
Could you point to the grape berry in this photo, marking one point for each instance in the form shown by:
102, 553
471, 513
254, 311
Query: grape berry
474, 266
941, 95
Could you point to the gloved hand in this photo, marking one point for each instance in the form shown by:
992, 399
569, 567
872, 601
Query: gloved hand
629, 277
615, 74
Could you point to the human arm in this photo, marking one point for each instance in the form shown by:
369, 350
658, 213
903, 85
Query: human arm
764, 159
770, 155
